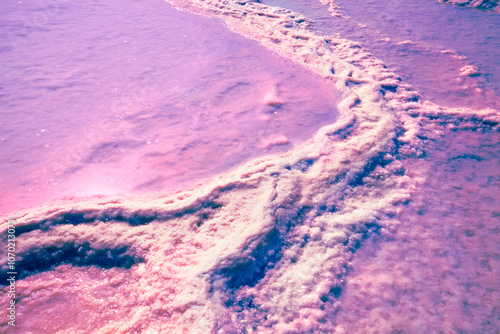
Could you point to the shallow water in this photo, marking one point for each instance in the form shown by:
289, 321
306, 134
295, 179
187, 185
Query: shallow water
136, 97
425, 42
384, 221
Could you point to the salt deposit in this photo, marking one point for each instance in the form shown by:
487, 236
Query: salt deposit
488, 5
384, 221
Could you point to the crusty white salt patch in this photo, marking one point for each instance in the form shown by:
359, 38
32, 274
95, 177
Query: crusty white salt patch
269, 247
275, 139
406, 42
469, 71
264, 117
449, 52
334, 9
272, 99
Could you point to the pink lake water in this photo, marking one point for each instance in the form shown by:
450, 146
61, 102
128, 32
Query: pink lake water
387, 222
134, 97
425, 42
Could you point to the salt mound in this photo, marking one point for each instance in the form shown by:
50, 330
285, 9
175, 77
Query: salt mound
469, 70
271, 98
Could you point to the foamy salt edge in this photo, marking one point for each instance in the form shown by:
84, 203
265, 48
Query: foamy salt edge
210, 250
487, 5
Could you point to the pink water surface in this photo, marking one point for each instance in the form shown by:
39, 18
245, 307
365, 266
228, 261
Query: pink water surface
134, 97
425, 42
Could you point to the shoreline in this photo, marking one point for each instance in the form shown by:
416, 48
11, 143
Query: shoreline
486, 5
271, 245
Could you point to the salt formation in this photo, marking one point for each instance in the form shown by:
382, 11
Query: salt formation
272, 99
489, 5
469, 71
275, 139
383, 221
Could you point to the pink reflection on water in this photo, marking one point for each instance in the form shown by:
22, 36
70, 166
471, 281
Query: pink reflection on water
135, 97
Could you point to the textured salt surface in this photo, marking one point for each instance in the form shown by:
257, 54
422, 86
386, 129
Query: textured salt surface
136, 97
424, 42
488, 5
439, 271
386, 221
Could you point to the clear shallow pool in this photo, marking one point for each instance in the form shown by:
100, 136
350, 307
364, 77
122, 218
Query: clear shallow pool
135, 97
426, 42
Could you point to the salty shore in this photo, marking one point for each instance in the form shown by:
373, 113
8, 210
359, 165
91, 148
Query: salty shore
385, 221
488, 5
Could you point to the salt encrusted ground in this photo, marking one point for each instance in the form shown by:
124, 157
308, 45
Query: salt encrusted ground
386, 221
488, 5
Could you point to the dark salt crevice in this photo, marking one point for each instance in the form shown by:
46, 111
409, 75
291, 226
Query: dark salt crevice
353, 244
391, 88
365, 230
135, 219
335, 292
324, 208
303, 165
203, 207
414, 98
203, 210
344, 133
251, 269
468, 156
70, 218
81, 255
377, 160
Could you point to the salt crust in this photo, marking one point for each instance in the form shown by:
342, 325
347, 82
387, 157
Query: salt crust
266, 248
488, 5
